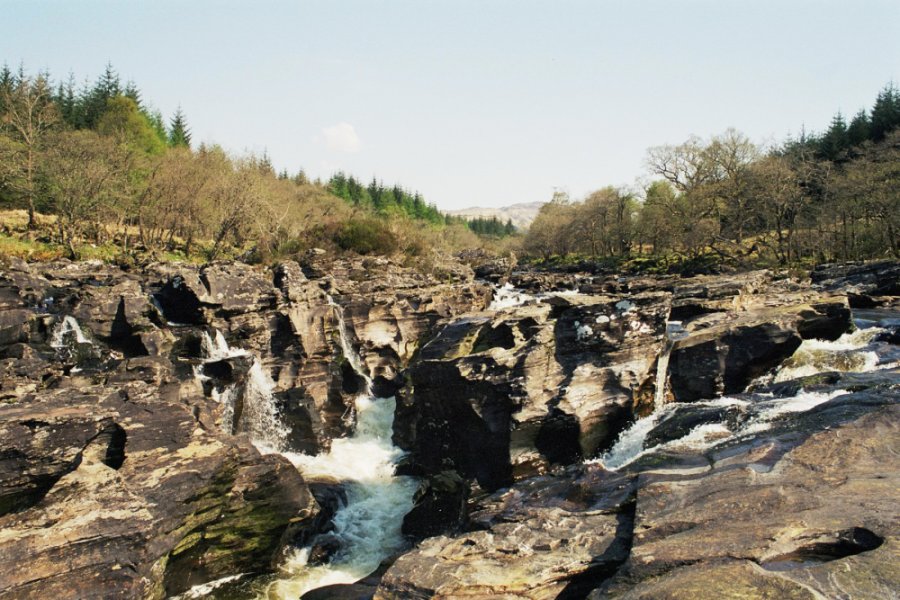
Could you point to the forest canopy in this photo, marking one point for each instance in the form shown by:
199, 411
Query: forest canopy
96, 166
817, 198
110, 169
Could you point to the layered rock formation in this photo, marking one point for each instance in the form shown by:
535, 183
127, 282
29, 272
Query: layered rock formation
126, 469
571, 441
779, 493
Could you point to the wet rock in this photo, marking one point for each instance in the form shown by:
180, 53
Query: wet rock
120, 494
543, 542
681, 420
866, 279
355, 591
723, 354
439, 506
775, 511
503, 397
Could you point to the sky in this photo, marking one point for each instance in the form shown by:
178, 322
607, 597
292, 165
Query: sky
472, 102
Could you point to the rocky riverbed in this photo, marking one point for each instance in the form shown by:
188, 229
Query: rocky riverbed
567, 435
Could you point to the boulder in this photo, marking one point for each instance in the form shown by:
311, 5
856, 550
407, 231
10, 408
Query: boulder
122, 494
722, 353
804, 505
500, 397
539, 540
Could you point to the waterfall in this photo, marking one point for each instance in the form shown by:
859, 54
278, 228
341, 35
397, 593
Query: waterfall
851, 352
507, 296
674, 332
68, 329
259, 413
347, 347
368, 526
216, 348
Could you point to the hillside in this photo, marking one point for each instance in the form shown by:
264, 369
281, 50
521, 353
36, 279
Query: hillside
521, 214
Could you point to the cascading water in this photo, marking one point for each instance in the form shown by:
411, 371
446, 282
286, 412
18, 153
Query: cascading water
347, 347
368, 525
847, 353
507, 296
259, 415
674, 332
851, 352
631, 441
68, 329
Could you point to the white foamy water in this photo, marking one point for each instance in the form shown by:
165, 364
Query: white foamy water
506, 296
347, 348
630, 444
66, 329
259, 416
205, 589
851, 352
847, 353
368, 526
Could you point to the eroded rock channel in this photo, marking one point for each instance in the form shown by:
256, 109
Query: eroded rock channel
354, 429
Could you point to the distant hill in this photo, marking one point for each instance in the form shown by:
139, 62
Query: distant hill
521, 214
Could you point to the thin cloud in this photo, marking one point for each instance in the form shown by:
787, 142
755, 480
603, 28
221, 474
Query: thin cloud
341, 138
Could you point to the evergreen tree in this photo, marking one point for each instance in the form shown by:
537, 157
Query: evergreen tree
66, 100
7, 82
131, 91
859, 129
179, 133
264, 164
92, 101
886, 112
159, 126
337, 185
835, 140
376, 193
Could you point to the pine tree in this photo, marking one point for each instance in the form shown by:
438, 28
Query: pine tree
109, 84
337, 185
7, 82
93, 100
66, 101
859, 129
886, 112
159, 126
179, 133
835, 140
132, 91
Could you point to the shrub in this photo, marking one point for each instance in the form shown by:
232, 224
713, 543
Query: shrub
366, 236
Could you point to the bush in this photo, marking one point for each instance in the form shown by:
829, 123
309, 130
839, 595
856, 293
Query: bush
367, 236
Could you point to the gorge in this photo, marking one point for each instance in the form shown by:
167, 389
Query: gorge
353, 428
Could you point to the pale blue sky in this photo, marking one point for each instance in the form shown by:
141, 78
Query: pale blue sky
473, 102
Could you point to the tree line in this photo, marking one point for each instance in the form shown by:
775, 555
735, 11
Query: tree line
110, 170
491, 226
826, 197
383, 200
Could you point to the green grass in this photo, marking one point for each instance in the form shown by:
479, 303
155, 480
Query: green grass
11, 246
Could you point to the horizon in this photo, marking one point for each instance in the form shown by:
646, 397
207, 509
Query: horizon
471, 105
